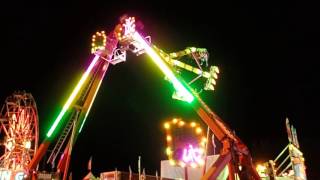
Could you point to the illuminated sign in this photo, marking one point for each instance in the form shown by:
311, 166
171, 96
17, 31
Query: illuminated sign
187, 148
193, 155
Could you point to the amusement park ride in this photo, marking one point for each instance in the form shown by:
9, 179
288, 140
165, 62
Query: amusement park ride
111, 49
19, 122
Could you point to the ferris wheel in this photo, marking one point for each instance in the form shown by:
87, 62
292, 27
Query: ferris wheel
19, 131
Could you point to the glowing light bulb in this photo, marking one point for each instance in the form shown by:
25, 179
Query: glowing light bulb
27, 145
166, 125
175, 120
216, 69
260, 168
168, 151
181, 123
201, 162
169, 138
172, 162
182, 164
198, 130
193, 124
204, 139
215, 75
9, 145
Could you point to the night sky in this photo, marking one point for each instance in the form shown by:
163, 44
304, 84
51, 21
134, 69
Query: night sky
267, 53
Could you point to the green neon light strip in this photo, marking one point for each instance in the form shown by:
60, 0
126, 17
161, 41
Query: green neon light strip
72, 96
94, 97
164, 68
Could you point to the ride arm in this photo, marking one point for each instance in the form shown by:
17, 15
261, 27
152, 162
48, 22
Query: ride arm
232, 145
81, 99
